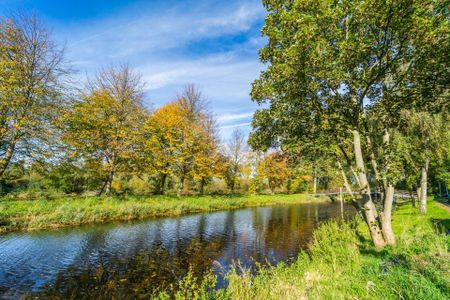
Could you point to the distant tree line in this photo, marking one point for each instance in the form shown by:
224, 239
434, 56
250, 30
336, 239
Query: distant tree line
338, 99
103, 139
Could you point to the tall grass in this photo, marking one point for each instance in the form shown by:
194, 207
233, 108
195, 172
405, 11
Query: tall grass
342, 264
37, 214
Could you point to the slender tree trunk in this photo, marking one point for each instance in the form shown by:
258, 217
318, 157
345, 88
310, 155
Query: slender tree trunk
181, 186
413, 198
202, 186
384, 183
162, 184
4, 162
369, 209
109, 182
315, 182
349, 163
385, 216
423, 188
233, 181
344, 177
349, 190
364, 183
373, 161
418, 192
380, 182
106, 186
355, 175
102, 188
388, 193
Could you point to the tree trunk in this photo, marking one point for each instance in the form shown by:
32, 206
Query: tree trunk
109, 183
232, 183
418, 191
355, 175
181, 186
272, 188
380, 182
384, 183
423, 188
364, 183
102, 189
369, 209
162, 184
4, 162
385, 216
106, 187
202, 186
413, 198
344, 177
315, 182
349, 190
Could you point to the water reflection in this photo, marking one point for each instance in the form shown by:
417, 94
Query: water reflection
138, 259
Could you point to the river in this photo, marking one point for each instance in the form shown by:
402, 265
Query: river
136, 259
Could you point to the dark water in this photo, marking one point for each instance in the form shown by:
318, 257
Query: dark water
132, 260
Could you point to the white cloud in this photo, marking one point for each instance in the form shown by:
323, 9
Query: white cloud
234, 117
120, 37
235, 125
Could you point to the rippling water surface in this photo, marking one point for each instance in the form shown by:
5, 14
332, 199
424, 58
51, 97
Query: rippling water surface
130, 260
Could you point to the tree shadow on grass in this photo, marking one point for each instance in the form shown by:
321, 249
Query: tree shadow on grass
383, 253
402, 203
441, 225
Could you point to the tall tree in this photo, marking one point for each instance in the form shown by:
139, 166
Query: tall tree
205, 158
427, 138
105, 123
235, 152
275, 169
171, 141
184, 141
32, 74
329, 63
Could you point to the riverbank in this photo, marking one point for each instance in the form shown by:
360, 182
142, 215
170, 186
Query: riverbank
29, 215
342, 264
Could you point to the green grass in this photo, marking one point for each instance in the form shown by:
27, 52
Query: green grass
342, 264
37, 214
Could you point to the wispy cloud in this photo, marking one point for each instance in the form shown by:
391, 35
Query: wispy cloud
235, 125
233, 117
154, 33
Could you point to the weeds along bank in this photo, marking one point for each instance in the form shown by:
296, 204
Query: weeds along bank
38, 214
343, 264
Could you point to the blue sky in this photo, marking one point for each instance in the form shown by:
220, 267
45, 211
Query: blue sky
211, 43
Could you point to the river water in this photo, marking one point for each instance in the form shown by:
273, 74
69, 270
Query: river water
137, 259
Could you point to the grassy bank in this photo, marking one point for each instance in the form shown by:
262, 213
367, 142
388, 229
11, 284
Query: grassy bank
37, 214
342, 264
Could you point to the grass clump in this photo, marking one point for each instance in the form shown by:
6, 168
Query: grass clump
72, 211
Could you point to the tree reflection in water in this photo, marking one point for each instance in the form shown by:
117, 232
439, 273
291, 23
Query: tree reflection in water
138, 260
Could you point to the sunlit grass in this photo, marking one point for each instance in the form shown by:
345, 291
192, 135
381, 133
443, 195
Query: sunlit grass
37, 214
